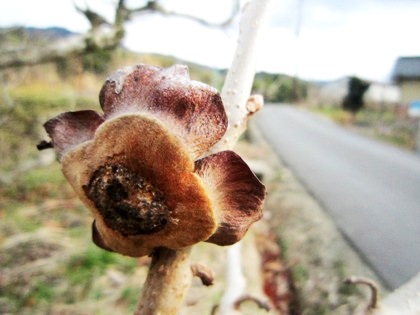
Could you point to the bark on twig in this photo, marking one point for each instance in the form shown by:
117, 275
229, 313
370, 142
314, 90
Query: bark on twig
239, 107
237, 88
167, 282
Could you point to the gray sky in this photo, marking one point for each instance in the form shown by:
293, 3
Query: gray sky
337, 37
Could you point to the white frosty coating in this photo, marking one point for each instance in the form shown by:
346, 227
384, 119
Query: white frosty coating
181, 73
198, 84
119, 77
237, 88
178, 71
235, 93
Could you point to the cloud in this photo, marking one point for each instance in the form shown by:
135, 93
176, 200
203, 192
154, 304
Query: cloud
360, 37
331, 13
181, 38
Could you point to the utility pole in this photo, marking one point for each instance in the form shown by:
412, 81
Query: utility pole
298, 26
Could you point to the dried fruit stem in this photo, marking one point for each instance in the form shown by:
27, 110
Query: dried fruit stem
167, 282
169, 276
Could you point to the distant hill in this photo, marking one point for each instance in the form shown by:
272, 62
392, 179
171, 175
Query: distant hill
49, 32
17, 38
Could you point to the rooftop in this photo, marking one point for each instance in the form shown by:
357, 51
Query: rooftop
407, 68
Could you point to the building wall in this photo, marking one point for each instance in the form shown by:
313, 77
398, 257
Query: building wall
378, 95
381, 95
410, 90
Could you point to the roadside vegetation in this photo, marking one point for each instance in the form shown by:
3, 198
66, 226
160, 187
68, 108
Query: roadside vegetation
387, 125
46, 258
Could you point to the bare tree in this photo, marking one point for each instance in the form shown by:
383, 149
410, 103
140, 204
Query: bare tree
102, 35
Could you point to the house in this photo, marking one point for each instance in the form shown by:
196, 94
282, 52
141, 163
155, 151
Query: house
407, 75
378, 95
382, 95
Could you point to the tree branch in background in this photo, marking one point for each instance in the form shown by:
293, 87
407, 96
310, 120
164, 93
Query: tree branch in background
156, 7
94, 18
103, 35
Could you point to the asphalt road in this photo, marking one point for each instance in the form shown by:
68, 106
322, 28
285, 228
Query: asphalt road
370, 189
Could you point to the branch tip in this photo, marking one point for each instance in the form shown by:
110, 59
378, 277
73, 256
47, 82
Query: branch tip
44, 145
260, 303
375, 296
205, 274
254, 104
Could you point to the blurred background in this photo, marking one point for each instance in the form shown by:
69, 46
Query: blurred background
356, 63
